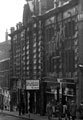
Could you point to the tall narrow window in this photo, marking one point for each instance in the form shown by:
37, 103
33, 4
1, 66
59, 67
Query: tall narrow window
70, 28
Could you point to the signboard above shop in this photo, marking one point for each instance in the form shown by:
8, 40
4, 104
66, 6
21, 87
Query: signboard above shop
32, 84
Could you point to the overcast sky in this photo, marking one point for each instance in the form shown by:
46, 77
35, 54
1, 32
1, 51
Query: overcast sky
11, 12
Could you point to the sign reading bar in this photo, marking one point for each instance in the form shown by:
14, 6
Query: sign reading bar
32, 84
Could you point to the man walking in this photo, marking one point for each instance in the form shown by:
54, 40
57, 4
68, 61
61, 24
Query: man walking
49, 110
73, 108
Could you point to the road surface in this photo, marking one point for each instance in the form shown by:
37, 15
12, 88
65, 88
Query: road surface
7, 117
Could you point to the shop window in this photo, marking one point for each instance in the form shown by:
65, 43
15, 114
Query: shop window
70, 28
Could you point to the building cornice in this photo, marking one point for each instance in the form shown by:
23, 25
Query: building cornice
58, 10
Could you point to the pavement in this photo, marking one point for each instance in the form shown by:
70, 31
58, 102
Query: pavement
26, 116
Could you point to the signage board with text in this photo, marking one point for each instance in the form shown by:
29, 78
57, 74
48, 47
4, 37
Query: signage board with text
32, 84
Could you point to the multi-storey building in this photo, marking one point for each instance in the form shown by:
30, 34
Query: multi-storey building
5, 73
49, 49
26, 61
61, 52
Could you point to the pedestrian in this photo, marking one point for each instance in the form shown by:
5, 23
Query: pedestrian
73, 109
60, 110
23, 107
1, 106
10, 105
65, 111
19, 108
68, 110
53, 107
49, 110
80, 109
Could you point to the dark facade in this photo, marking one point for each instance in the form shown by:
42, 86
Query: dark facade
26, 60
4, 64
40, 7
49, 49
61, 53
5, 74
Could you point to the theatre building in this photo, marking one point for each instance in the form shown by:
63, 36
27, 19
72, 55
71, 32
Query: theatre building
49, 48
63, 53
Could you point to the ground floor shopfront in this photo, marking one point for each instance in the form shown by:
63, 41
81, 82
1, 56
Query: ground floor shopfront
4, 99
56, 89
27, 95
53, 89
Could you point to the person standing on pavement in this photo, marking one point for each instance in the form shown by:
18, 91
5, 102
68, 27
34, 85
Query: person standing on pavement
49, 110
53, 107
19, 108
60, 110
80, 109
1, 104
68, 110
73, 109
21, 105
65, 111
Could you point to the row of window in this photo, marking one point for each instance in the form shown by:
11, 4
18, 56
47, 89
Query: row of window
68, 62
69, 30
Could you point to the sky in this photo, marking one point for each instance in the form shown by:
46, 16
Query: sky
11, 12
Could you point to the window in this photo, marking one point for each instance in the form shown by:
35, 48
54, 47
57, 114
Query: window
69, 61
34, 45
49, 33
50, 62
34, 51
70, 28
34, 56
34, 67
34, 61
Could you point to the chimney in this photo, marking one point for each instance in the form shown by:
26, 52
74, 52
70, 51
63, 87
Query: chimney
27, 12
19, 25
12, 29
6, 35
